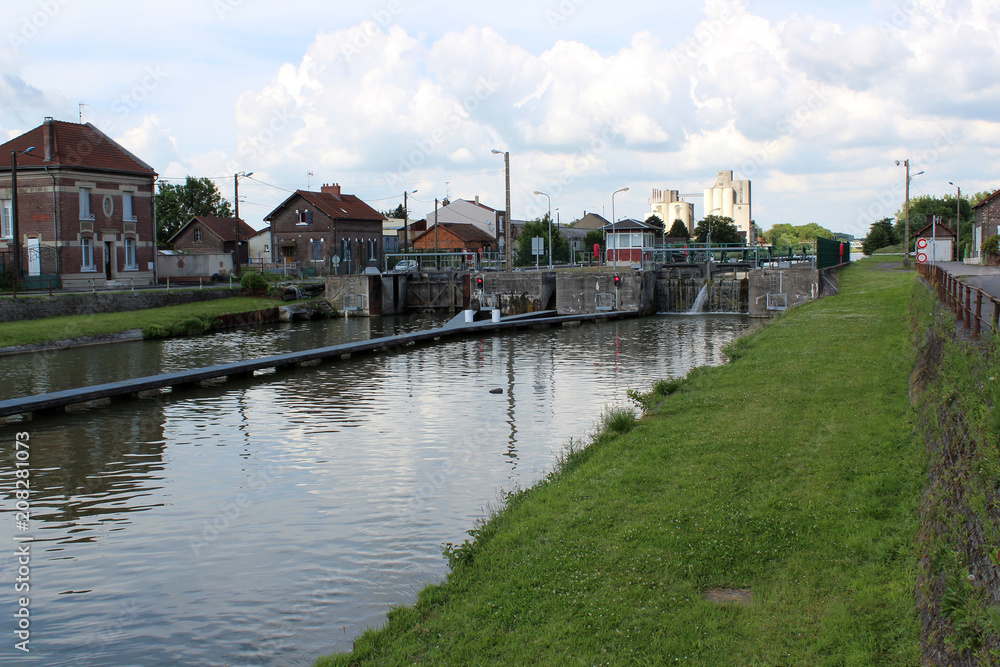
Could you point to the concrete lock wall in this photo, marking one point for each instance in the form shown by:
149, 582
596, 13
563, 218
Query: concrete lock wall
586, 292
193, 267
522, 292
797, 285
35, 307
349, 294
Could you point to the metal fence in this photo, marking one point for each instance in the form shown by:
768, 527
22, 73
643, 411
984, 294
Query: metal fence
832, 253
965, 300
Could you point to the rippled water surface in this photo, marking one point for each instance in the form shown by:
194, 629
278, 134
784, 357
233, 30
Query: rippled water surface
270, 521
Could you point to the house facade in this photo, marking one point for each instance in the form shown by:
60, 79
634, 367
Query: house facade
326, 232
453, 237
630, 242
936, 242
260, 245
85, 208
208, 234
464, 211
986, 224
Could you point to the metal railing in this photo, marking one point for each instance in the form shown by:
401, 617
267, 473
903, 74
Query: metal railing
449, 261
964, 299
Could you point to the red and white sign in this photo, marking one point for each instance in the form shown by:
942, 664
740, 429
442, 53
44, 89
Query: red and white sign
921, 243
922, 257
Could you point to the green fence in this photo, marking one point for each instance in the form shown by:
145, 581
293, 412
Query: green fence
832, 253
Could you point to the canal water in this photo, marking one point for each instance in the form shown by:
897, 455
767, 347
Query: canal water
267, 522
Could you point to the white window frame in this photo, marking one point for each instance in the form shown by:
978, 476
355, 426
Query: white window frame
128, 213
196, 235
87, 254
6, 219
86, 213
131, 248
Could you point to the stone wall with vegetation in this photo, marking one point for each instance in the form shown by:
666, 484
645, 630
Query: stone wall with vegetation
955, 388
36, 307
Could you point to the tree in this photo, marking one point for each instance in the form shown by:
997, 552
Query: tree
593, 237
679, 231
655, 221
176, 204
540, 227
880, 235
399, 212
722, 227
784, 234
943, 207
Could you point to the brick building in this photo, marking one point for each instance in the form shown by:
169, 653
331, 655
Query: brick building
210, 234
311, 229
85, 208
453, 237
987, 222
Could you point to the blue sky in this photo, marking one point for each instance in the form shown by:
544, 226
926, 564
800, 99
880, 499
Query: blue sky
812, 103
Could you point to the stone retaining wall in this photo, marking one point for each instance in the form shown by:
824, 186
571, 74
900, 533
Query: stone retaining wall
37, 307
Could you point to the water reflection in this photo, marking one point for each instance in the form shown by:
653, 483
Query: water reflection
268, 522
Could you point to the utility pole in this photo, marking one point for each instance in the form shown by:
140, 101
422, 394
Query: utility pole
436, 259
236, 225
906, 225
406, 219
506, 224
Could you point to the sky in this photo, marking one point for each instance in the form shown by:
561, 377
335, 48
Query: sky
814, 104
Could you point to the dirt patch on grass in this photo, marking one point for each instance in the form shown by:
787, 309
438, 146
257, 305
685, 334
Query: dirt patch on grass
742, 596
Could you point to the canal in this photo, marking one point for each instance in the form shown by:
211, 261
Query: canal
267, 522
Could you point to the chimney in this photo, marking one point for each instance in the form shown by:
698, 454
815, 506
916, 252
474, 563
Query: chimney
331, 190
477, 199
50, 137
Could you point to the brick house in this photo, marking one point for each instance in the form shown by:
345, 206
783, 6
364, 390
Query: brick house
453, 237
311, 229
210, 234
987, 222
85, 208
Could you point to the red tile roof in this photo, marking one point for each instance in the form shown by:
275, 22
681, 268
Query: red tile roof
464, 231
224, 228
71, 145
344, 207
988, 199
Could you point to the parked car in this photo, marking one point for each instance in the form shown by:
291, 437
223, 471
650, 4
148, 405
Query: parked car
406, 265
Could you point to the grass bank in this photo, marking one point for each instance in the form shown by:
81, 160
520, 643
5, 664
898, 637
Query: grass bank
764, 513
159, 321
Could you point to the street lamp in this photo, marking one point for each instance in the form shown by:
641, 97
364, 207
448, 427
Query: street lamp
958, 217
550, 226
906, 224
15, 234
406, 217
613, 221
236, 225
506, 224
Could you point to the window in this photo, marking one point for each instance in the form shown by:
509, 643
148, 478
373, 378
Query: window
127, 213
87, 247
305, 217
130, 263
109, 205
6, 230
197, 235
85, 213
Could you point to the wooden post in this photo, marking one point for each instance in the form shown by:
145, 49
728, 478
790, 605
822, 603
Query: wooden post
979, 312
968, 307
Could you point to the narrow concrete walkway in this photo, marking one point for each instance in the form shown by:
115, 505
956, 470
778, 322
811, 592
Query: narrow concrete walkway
986, 278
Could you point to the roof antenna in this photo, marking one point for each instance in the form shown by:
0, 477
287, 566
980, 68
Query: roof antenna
82, 104
309, 176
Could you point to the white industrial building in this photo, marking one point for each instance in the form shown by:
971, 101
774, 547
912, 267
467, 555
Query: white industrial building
727, 198
731, 199
667, 206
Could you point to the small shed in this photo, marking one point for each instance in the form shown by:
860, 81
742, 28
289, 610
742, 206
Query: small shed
936, 242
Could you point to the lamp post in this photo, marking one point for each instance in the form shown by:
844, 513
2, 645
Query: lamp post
906, 223
14, 233
506, 223
236, 225
958, 215
550, 226
406, 217
613, 221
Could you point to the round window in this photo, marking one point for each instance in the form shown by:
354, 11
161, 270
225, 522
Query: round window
109, 205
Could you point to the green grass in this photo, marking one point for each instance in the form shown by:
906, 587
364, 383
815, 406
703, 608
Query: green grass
792, 472
166, 319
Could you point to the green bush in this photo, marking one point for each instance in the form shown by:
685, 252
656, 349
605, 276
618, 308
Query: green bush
253, 281
991, 246
619, 420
